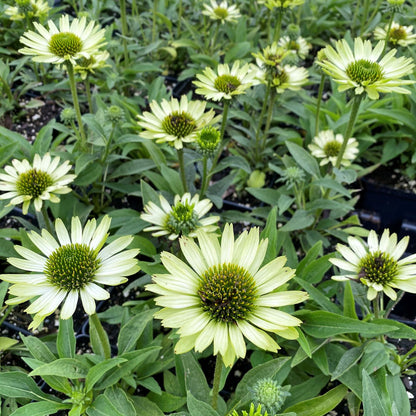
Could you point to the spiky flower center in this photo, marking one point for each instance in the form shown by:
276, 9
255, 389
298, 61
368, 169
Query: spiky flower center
332, 148
227, 83
183, 219
221, 13
281, 77
293, 45
364, 72
269, 394
397, 33
227, 292
65, 44
179, 124
24, 6
378, 267
208, 139
72, 266
33, 182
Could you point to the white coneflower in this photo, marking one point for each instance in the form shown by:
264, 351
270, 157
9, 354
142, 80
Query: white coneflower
184, 217
43, 180
378, 264
175, 122
71, 268
398, 34
326, 146
364, 71
222, 12
70, 42
226, 82
224, 295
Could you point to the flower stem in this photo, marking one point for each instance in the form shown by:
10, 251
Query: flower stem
124, 29
154, 12
46, 220
182, 169
222, 132
73, 85
268, 120
318, 104
278, 27
261, 116
216, 382
180, 12
88, 93
386, 40
348, 133
364, 16
204, 180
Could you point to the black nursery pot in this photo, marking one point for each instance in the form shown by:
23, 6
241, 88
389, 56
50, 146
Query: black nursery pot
381, 207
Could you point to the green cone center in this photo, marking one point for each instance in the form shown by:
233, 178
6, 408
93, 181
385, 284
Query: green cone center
227, 83
332, 148
227, 293
183, 219
364, 72
71, 267
65, 44
397, 33
33, 182
179, 124
221, 13
378, 267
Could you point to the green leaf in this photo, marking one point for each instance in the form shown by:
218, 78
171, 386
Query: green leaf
120, 401
195, 380
303, 342
199, 408
133, 167
99, 339
270, 232
319, 297
398, 329
166, 401
65, 342
398, 395
304, 159
99, 370
323, 324
71, 368
6, 343
267, 195
348, 360
132, 330
349, 302
40, 409
329, 183
102, 406
311, 255
146, 407
306, 390
321, 405
133, 360
373, 403
376, 355
38, 349
148, 193
17, 384
300, 220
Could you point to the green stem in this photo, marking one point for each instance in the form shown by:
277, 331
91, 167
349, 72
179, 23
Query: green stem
318, 104
88, 93
375, 10
376, 307
354, 18
278, 26
180, 12
124, 30
268, 120
154, 11
204, 180
364, 16
222, 132
348, 133
182, 169
400, 295
261, 117
6, 313
386, 40
46, 220
216, 382
73, 85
